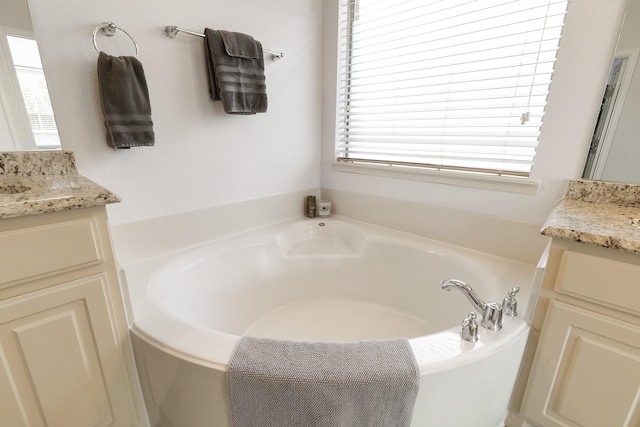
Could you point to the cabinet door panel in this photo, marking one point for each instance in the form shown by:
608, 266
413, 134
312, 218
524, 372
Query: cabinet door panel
586, 371
58, 363
62, 365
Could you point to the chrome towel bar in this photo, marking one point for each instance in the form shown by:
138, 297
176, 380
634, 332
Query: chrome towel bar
171, 31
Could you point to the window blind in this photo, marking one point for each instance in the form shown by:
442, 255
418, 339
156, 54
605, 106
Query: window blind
445, 84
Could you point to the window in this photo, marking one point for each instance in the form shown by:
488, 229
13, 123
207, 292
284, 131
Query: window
456, 85
33, 86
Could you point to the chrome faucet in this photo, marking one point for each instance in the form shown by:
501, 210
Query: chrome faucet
469, 330
510, 305
491, 311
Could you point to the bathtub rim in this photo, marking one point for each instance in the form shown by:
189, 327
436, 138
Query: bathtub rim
211, 348
222, 345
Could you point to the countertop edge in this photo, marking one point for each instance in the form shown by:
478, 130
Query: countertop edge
83, 194
607, 242
606, 225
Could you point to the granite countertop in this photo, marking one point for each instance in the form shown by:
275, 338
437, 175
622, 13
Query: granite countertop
604, 214
39, 182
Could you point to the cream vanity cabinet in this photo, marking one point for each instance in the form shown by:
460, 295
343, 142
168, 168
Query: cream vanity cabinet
586, 369
65, 357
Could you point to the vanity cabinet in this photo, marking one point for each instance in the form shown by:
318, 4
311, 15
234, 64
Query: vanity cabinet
586, 369
65, 355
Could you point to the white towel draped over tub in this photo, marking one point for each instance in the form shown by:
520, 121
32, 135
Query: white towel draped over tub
285, 383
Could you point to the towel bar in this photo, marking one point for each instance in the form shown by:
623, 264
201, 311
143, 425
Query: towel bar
109, 29
171, 31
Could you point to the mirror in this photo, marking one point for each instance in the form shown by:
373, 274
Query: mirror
26, 116
614, 154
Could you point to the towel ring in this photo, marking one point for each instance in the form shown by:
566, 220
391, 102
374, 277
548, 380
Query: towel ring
109, 29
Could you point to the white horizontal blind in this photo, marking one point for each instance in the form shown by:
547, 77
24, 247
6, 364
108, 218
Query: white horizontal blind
446, 84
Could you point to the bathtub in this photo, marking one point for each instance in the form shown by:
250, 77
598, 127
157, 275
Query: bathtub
323, 280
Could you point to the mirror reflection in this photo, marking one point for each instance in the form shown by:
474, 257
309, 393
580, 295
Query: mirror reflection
614, 154
26, 116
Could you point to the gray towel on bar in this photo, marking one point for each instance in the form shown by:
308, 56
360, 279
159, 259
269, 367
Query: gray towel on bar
287, 384
235, 65
239, 45
125, 101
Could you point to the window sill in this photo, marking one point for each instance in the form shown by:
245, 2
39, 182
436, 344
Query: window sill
473, 180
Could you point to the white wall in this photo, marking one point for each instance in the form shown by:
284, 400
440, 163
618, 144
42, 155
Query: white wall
15, 13
586, 50
202, 156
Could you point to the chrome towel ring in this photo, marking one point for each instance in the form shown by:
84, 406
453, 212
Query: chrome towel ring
109, 29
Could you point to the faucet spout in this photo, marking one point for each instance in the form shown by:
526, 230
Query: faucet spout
491, 312
467, 290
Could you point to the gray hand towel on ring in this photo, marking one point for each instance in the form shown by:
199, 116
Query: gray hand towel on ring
235, 65
124, 97
289, 384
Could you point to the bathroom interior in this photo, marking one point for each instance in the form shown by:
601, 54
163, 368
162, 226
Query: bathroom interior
212, 176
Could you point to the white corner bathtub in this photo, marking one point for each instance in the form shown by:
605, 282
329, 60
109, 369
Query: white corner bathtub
323, 280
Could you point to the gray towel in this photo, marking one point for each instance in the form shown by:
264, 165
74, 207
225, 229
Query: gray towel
239, 45
236, 72
124, 97
286, 384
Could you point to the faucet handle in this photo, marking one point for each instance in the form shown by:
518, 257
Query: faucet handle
469, 330
510, 304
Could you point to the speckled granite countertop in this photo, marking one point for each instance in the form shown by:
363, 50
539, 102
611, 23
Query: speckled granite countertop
38, 182
598, 213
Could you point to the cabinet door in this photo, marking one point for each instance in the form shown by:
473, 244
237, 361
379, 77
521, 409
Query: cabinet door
586, 371
59, 359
